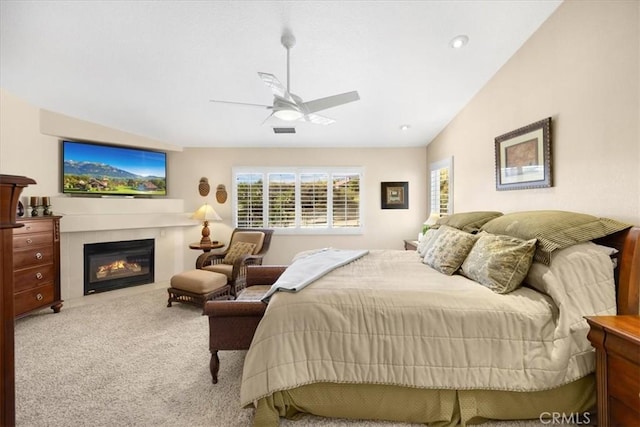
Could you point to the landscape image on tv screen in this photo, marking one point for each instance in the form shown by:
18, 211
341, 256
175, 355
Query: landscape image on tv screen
94, 169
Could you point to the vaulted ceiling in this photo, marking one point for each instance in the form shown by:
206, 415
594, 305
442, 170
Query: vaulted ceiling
152, 67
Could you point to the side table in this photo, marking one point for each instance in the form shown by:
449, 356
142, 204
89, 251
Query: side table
205, 249
617, 343
410, 245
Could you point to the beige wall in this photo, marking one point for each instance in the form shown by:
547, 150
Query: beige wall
580, 68
383, 228
24, 150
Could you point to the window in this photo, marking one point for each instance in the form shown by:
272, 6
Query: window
441, 174
298, 200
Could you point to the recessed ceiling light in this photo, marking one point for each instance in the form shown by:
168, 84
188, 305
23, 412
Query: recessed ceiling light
459, 41
404, 127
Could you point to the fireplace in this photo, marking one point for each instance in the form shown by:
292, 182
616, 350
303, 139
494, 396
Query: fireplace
114, 265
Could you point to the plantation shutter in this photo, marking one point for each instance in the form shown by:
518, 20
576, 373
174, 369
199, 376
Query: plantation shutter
346, 200
313, 200
441, 187
282, 200
250, 204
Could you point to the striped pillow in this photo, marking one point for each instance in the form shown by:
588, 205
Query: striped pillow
467, 221
553, 229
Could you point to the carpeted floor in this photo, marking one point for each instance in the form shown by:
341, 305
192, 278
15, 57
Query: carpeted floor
131, 361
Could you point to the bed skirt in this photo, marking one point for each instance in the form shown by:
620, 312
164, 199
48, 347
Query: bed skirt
436, 408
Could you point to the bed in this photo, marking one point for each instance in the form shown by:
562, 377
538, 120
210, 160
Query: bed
387, 337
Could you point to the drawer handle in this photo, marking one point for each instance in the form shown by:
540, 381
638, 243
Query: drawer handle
29, 241
39, 275
28, 227
38, 255
39, 297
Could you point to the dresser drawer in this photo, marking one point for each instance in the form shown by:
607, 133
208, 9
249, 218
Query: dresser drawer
22, 241
622, 415
31, 257
33, 227
33, 277
624, 380
33, 298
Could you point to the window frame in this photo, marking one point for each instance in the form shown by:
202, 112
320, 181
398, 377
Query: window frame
434, 197
298, 229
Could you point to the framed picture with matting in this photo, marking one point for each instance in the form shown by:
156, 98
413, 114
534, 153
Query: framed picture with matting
394, 195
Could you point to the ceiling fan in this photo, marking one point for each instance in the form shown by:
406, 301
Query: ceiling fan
290, 107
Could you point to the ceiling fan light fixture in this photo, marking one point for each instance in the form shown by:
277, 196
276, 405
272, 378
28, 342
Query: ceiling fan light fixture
288, 114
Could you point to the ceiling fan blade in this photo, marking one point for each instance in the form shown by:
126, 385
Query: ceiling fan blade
316, 119
276, 87
241, 103
330, 101
270, 118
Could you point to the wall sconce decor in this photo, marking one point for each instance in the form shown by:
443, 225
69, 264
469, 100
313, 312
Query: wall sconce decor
204, 187
206, 213
221, 194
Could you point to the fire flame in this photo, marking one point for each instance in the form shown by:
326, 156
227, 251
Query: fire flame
116, 267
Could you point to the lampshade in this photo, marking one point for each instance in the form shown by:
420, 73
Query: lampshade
206, 213
433, 218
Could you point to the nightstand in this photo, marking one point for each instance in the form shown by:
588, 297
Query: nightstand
617, 343
410, 245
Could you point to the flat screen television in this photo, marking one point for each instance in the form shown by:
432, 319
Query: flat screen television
91, 169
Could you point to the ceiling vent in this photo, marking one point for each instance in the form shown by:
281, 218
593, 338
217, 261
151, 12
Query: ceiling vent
284, 130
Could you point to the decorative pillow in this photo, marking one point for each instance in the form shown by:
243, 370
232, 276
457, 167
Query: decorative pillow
449, 249
553, 229
467, 221
499, 262
426, 241
237, 250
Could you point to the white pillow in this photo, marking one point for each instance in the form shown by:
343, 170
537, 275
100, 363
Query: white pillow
427, 240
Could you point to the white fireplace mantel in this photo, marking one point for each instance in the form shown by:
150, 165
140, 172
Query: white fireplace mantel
87, 220
102, 214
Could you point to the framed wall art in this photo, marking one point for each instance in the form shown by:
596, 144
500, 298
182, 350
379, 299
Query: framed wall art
395, 195
523, 157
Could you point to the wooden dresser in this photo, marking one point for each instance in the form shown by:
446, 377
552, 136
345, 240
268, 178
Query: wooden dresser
10, 188
617, 343
36, 264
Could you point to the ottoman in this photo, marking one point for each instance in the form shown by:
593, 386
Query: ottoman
196, 287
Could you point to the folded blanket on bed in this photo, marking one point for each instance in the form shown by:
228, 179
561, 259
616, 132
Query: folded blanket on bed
307, 269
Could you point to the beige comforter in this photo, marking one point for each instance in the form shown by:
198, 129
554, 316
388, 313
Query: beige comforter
386, 318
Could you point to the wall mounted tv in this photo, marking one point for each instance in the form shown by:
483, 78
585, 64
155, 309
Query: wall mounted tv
90, 169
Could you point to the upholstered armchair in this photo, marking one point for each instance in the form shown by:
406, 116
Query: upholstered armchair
247, 246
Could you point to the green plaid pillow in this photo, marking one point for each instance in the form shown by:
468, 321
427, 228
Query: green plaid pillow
553, 229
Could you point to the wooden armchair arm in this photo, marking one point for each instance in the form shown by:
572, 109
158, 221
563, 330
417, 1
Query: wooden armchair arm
264, 274
234, 308
209, 258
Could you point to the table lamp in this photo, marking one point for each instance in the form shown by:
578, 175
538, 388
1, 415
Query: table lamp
206, 213
433, 218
